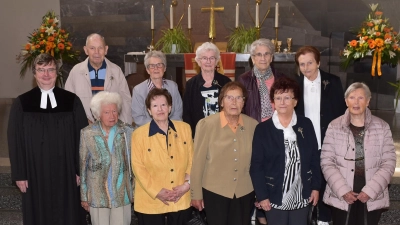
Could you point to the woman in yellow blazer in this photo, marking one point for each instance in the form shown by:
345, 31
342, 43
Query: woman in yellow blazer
162, 153
220, 179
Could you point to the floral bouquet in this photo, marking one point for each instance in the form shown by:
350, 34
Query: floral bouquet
376, 38
49, 38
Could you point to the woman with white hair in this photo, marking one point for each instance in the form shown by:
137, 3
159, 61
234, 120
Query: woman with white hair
259, 79
358, 159
106, 175
201, 93
156, 64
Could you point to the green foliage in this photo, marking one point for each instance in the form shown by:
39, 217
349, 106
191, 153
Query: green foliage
174, 36
397, 86
240, 37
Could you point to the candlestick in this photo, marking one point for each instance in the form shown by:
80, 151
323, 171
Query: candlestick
276, 14
171, 17
189, 17
152, 17
237, 16
276, 37
257, 15
190, 38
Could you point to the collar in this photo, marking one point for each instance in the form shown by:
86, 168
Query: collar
317, 80
154, 129
224, 121
151, 85
43, 100
103, 65
288, 131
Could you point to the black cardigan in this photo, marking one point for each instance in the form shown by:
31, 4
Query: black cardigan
193, 101
268, 160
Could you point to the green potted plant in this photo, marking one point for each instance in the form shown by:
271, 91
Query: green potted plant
397, 86
241, 38
174, 39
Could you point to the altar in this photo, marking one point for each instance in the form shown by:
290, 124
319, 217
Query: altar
134, 65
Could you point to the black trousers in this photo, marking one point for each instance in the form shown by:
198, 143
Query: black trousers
323, 211
172, 218
221, 210
287, 217
357, 212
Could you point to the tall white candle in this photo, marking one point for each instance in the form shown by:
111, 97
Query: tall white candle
189, 17
237, 15
257, 15
152, 17
171, 17
276, 14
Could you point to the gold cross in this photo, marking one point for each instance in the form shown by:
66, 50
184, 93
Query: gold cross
212, 9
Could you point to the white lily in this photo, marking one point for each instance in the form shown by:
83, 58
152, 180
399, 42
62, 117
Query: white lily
50, 30
361, 41
55, 20
24, 52
369, 53
373, 6
388, 41
346, 53
382, 27
357, 55
377, 22
392, 54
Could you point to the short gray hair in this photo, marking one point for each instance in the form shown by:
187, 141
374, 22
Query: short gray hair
94, 35
105, 98
155, 54
355, 86
262, 42
43, 59
207, 46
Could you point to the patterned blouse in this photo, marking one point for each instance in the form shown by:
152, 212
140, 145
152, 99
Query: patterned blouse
292, 185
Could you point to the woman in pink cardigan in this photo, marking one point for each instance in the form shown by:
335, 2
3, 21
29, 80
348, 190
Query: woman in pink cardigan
358, 159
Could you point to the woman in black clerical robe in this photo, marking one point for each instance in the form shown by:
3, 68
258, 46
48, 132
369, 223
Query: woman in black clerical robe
43, 140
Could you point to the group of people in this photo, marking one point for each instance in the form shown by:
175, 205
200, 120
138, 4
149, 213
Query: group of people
265, 142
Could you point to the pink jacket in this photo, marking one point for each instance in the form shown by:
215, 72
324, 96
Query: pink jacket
380, 161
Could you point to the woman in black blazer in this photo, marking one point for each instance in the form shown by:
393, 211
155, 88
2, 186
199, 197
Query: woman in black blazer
285, 168
321, 100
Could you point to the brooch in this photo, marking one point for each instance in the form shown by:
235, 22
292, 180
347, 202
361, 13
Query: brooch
300, 130
215, 82
325, 82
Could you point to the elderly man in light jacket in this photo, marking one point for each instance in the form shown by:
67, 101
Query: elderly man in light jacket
96, 74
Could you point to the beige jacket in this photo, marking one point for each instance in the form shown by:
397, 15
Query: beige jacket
78, 82
221, 160
380, 161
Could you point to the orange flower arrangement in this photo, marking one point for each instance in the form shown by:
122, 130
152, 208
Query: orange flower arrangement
48, 38
377, 39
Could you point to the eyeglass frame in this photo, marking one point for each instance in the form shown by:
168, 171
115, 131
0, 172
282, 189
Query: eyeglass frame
262, 55
157, 65
285, 99
48, 70
206, 59
237, 98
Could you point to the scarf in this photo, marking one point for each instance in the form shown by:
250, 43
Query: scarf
266, 106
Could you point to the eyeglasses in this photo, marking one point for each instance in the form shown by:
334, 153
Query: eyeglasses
233, 98
49, 70
205, 59
284, 99
153, 66
262, 55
